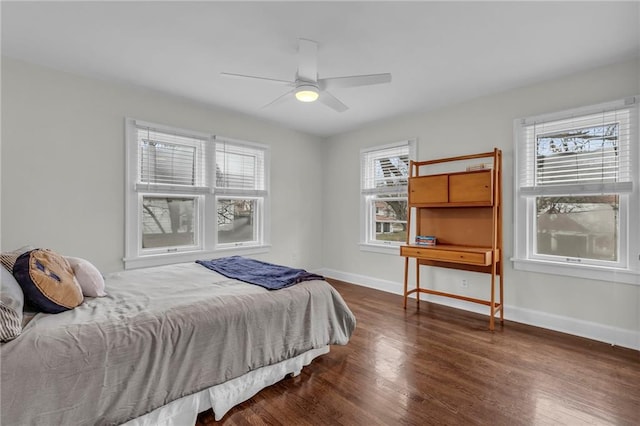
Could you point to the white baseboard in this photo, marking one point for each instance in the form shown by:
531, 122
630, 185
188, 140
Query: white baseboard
590, 330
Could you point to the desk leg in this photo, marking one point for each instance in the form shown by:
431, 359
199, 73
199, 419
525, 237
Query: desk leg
418, 283
501, 290
406, 278
493, 297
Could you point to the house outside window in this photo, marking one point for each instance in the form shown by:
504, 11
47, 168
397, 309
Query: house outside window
384, 182
191, 193
576, 192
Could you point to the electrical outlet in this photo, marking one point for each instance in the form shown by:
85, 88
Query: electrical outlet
465, 284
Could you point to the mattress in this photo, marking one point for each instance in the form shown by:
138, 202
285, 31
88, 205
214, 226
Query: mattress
161, 334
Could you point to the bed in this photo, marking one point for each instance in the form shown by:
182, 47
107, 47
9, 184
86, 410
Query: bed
164, 344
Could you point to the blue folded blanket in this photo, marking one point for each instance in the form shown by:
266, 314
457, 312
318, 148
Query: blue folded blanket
267, 275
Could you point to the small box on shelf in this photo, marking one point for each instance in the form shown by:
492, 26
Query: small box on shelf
425, 240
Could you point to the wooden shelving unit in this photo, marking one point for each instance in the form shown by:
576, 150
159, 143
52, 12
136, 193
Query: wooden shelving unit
463, 210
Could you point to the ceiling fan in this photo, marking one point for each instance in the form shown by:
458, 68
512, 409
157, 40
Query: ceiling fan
307, 87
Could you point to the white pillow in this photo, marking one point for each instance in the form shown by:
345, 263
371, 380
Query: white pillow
88, 276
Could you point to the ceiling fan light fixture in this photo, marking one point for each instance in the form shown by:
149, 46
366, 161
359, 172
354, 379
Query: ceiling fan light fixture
307, 93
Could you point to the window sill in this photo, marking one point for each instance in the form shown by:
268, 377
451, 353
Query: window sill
190, 256
624, 276
381, 248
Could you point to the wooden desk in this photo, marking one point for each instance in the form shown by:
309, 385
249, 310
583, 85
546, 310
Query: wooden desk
463, 210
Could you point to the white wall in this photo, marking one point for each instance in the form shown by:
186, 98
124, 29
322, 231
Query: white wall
63, 172
603, 310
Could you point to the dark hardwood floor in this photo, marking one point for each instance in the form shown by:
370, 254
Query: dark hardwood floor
441, 366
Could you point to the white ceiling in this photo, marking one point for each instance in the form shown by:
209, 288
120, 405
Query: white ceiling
437, 52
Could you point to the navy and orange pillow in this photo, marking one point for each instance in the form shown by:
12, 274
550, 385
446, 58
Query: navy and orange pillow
48, 281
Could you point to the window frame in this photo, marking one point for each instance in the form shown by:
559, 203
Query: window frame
626, 268
369, 196
205, 194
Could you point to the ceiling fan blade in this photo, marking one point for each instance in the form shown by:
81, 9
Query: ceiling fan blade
354, 81
279, 99
332, 102
307, 60
252, 77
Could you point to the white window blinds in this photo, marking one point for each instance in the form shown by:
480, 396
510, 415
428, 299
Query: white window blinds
168, 160
239, 168
385, 170
587, 152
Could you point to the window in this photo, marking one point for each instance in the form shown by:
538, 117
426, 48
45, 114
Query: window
240, 193
384, 180
191, 193
576, 190
169, 221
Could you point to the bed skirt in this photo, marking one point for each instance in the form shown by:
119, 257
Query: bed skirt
225, 396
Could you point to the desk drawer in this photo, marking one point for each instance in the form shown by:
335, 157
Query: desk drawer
471, 257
